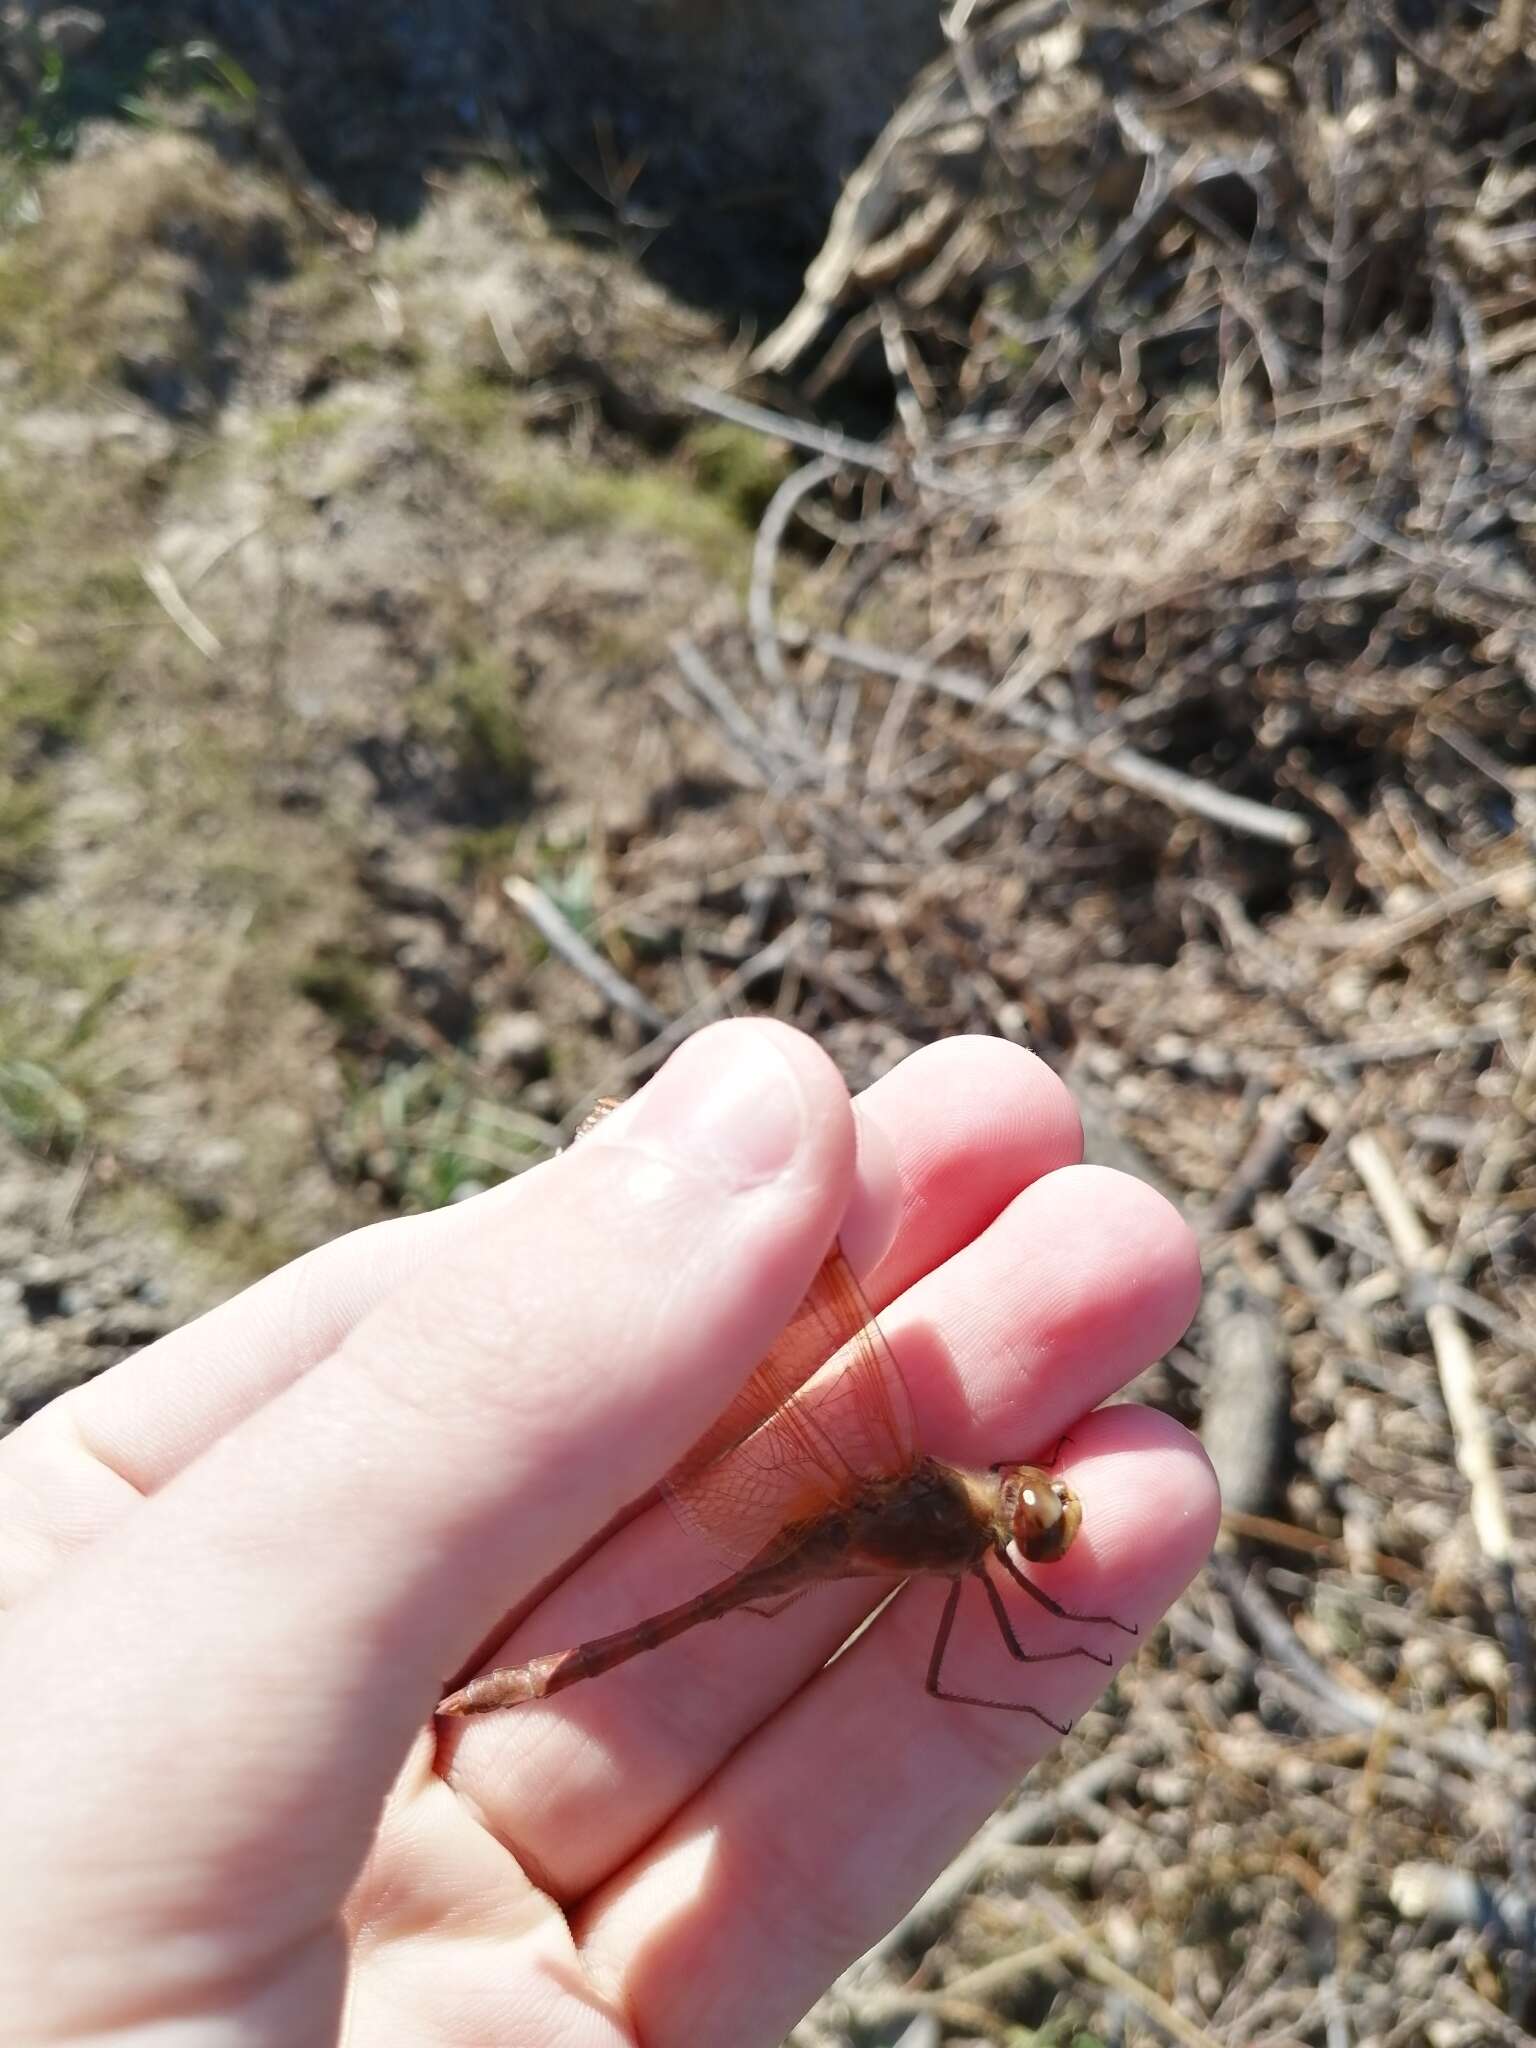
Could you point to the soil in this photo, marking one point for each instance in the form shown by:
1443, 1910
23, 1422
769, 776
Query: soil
337, 579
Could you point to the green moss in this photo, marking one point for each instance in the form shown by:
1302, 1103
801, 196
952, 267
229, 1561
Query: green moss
59, 643
213, 1253
466, 708
26, 815
137, 277
298, 427
486, 850
43, 704
1027, 294
620, 643
466, 407
326, 304
344, 987
564, 497
39, 1108
739, 467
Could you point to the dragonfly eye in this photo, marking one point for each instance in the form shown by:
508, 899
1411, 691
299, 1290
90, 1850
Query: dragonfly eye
1045, 1514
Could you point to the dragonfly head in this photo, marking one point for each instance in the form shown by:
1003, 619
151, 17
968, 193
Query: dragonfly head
1041, 1513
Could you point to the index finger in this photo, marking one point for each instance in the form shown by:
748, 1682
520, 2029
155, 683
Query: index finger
274, 1624
75, 1469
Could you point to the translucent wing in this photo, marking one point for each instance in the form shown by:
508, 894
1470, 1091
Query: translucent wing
824, 1411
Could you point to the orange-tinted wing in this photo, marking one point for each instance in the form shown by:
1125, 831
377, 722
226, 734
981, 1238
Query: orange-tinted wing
824, 1410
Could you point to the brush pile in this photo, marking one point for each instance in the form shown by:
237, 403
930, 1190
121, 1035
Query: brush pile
1161, 691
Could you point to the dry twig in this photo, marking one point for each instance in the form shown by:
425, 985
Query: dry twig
562, 937
1457, 1368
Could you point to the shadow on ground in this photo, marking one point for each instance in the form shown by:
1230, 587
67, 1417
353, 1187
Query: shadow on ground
710, 144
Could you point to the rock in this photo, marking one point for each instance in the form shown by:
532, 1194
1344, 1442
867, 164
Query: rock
70, 30
1445, 1896
518, 1041
543, 1098
1245, 1421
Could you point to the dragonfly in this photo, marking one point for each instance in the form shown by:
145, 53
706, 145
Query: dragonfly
813, 1473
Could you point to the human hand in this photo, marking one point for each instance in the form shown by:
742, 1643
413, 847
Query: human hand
236, 1571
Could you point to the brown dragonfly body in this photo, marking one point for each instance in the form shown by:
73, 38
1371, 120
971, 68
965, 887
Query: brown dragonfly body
812, 1474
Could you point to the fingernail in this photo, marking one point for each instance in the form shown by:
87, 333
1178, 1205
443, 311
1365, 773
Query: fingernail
727, 1098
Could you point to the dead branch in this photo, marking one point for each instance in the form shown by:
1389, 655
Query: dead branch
562, 937
1111, 762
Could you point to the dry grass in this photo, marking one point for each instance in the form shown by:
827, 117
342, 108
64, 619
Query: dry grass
142, 278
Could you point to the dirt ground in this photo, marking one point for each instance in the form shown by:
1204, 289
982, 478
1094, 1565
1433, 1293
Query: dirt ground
1143, 673
335, 581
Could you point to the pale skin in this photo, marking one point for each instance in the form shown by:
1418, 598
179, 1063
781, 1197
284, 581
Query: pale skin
237, 1572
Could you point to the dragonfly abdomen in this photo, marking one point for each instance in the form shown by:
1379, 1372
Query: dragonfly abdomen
542, 1676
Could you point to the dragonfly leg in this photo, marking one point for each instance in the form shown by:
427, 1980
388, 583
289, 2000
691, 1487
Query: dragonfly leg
1016, 1648
967, 1699
1055, 1607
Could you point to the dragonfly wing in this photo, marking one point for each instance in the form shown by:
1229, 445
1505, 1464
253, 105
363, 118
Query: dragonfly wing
857, 1397
825, 1410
